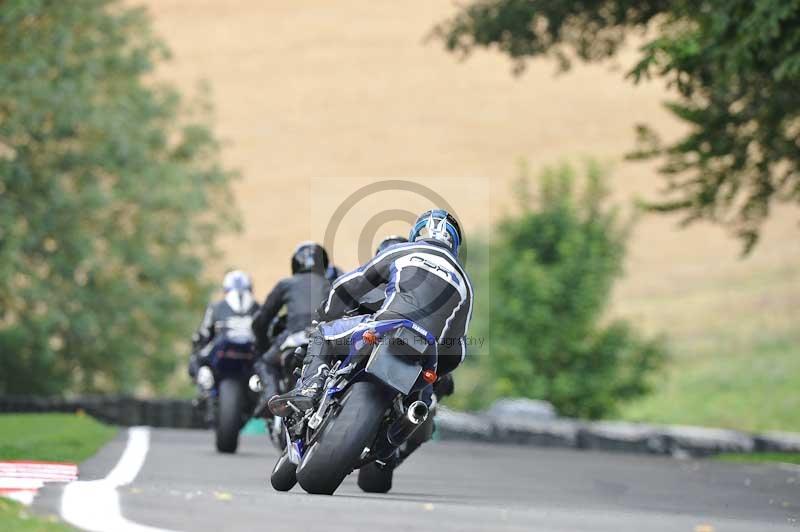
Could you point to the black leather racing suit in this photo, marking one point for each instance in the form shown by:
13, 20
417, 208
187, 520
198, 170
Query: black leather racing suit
301, 294
424, 282
231, 315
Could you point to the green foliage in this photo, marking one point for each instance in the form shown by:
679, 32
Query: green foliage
734, 64
474, 387
551, 273
109, 198
56, 437
735, 378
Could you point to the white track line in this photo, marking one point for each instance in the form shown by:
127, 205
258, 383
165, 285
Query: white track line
94, 504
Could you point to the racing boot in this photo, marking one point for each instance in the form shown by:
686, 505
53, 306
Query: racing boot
444, 386
305, 395
268, 379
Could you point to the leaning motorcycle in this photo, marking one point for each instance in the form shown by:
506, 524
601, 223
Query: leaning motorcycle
230, 400
373, 401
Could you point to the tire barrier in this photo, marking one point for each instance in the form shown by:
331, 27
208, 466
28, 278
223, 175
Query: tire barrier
121, 410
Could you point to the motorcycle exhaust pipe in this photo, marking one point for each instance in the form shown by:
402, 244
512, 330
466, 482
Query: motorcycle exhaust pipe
403, 428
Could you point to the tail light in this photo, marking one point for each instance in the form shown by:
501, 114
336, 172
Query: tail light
370, 337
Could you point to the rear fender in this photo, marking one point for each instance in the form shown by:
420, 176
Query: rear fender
399, 358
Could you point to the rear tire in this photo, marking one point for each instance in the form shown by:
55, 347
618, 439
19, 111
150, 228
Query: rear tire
373, 479
337, 449
283, 477
229, 416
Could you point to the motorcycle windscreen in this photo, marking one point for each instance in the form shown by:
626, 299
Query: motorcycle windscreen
395, 366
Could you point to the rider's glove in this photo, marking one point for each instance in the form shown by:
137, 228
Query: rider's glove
205, 378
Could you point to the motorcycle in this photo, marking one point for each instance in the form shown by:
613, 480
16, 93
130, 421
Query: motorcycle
230, 401
373, 402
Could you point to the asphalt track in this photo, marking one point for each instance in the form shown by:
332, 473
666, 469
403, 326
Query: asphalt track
459, 486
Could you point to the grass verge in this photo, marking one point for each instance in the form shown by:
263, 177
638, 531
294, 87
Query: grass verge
56, 437
15, 517
760, 458
747, 384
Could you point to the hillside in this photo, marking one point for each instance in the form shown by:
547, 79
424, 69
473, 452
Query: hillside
312, 97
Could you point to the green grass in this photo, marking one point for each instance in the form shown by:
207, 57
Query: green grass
56, 437
16, 518
734, 342
748, 385
760, 458
745, 380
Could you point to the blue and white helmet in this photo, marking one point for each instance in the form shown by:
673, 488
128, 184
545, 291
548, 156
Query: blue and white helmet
237, 280
437, 224
238, 291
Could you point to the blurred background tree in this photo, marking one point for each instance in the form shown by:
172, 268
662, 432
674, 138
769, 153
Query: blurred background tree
111, 197
734, 64
550, 274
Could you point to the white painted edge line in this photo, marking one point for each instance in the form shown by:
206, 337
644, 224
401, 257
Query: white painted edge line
23, 496
95, 504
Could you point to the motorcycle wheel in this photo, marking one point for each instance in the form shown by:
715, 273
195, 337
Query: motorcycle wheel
373, 479
283, 477
343, 438
229, 415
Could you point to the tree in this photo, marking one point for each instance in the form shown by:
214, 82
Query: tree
734, 65
552, 267
111, 197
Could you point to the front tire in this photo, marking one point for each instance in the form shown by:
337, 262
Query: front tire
229, 416
337, 449
373, 479
283, 477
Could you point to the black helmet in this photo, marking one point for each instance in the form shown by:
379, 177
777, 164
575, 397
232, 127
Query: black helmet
440, 225
390, 241
309, 257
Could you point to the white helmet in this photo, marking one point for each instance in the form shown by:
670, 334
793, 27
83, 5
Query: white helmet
238, 290
237, 280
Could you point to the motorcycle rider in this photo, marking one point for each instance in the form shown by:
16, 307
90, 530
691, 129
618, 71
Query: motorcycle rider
424, 282
445, 385
228, 317
373, 300
301, 294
